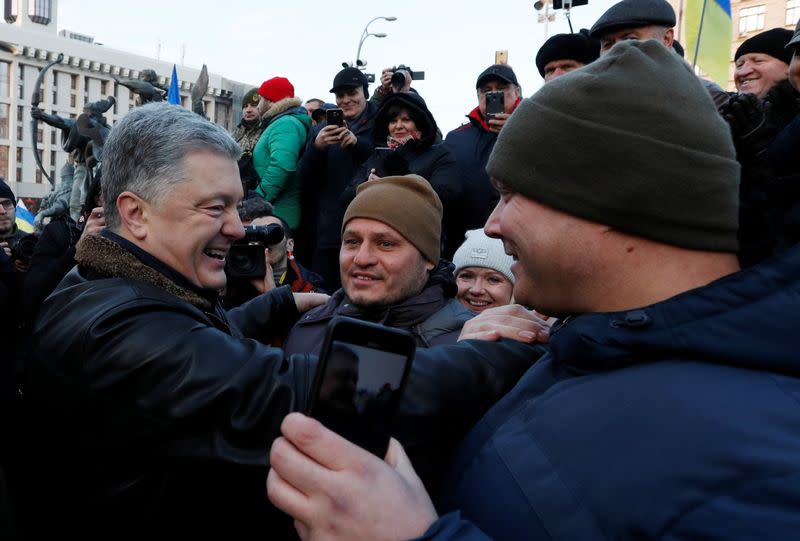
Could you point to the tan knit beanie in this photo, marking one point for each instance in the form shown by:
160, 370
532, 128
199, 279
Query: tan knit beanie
406, 203
632, 141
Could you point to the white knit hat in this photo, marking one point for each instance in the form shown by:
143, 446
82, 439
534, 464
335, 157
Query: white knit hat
482, 251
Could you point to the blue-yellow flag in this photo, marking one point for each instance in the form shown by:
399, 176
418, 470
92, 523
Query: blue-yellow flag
714, 53
24, 218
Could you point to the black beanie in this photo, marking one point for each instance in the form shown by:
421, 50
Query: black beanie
607, 143
772, 42
578, 47
5, 191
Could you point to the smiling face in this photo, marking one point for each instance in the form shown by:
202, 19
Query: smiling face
481, 288
351, 101
401, 125
557, 255
756, 73
193, 228
378, 266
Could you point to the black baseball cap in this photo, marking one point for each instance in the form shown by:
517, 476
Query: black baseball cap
348, 78
497, 71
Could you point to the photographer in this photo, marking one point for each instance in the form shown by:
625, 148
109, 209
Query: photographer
17, 244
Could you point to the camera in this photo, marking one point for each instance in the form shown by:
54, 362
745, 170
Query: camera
246, 256
22, 248
399, 77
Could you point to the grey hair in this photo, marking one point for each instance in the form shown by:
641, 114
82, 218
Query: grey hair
145, 153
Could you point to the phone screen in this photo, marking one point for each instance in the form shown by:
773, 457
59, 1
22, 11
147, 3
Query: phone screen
358, 393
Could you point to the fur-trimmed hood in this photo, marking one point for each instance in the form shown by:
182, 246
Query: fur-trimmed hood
108, 258
281, 107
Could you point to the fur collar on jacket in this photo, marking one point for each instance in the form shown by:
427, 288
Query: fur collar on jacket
281, 107
108, 258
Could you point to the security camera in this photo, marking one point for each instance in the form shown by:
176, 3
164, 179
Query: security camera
538, 5
360, 63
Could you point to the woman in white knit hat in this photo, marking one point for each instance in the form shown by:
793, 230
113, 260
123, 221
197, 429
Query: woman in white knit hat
483, 272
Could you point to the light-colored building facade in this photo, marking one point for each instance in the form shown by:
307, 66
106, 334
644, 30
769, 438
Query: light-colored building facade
28, 41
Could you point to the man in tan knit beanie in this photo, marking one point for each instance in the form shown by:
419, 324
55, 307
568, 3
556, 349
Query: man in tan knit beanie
390, 267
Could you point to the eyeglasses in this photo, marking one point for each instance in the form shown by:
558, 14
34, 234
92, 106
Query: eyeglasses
7, 204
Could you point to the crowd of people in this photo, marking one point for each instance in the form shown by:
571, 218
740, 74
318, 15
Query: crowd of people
600, 280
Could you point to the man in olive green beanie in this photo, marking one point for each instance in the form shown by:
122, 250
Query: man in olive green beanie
390, 267
666, 173
666, 406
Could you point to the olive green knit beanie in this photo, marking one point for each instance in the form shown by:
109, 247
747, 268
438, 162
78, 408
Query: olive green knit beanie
632, 141
408, 204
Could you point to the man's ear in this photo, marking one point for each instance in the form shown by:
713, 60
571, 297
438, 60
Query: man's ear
133, 214
290, 245
429, 266
669, 37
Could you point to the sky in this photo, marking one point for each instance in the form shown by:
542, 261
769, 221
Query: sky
307, 41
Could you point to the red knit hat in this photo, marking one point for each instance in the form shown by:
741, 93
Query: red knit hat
276, 89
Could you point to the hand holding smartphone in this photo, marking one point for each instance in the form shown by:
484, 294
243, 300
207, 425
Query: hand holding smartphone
360, 379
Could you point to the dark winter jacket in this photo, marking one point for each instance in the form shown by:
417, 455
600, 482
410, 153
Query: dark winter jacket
159, 405
471, 145
433, 162
433, 316
675, 421
327, 173
52, 259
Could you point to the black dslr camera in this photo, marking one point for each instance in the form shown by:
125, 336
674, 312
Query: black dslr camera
246, 256
22, 248
399, 77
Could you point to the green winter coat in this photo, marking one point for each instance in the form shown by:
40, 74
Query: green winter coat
276, 154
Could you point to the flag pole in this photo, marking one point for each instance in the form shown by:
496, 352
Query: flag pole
699, 33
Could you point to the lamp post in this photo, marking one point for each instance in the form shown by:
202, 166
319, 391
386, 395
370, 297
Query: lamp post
547, 17
365, 34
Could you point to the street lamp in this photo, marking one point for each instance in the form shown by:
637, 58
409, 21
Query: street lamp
365, 34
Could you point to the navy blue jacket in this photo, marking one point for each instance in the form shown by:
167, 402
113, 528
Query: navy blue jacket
471, 145
680, 420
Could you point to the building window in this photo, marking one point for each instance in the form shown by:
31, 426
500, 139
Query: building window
752, 18
72, 100
103, 87
4, 120
20, 113
52, 137
52, 158
4, 161
73, 83
39, 136
792, 11
19, 133
5, 81
55, 96
19, 156
38, 176
19, 174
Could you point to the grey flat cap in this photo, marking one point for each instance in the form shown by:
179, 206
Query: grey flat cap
633, 14
795, 41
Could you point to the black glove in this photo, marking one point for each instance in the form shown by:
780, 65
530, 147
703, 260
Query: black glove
751, 122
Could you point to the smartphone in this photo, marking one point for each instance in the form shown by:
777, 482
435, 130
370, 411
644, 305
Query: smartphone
501, 57
334, 117
495, 103
362, 371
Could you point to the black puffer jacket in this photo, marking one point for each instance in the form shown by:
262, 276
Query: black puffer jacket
153, 415
434, 162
